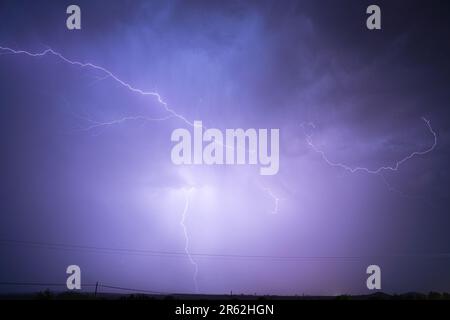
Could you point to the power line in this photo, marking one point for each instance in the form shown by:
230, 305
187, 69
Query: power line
179, 254
99, 285
132, 289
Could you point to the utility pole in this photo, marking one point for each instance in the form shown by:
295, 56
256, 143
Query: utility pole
96, 287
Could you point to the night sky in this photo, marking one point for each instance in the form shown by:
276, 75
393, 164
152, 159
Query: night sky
85, 167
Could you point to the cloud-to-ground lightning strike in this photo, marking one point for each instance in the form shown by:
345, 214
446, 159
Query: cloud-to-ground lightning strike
173, 114
97, 124
379, 170
187, 194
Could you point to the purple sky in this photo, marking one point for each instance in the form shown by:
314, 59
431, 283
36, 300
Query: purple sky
230, 64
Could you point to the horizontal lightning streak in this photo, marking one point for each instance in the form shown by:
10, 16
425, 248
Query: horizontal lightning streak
394, 167
107, 73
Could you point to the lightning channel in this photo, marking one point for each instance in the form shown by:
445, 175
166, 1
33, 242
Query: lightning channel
394, 167
93, 124
111, 75
187, 194
106, 72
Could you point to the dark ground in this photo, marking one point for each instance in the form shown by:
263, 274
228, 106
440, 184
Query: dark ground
53, 295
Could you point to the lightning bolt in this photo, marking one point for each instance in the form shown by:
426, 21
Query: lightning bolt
394, 167
108, 74
377, 171
97, 124
173, 114
186, 237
